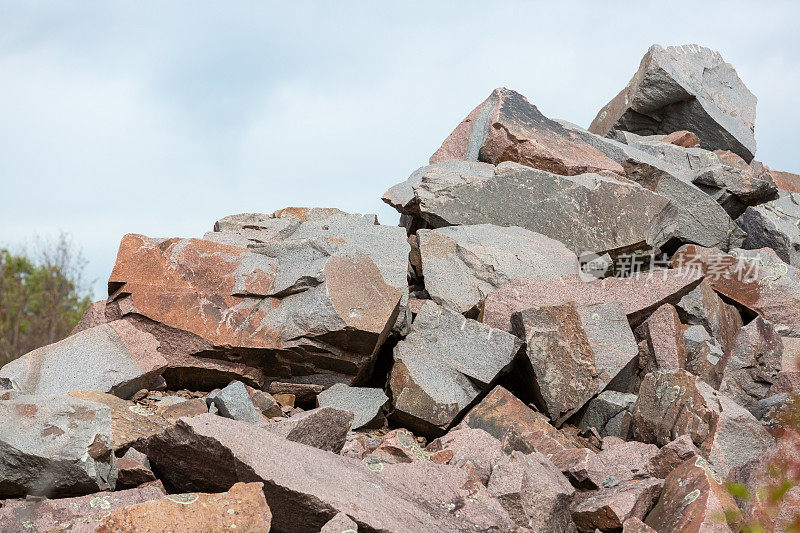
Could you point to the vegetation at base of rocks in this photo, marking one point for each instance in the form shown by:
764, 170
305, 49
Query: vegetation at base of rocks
42, 295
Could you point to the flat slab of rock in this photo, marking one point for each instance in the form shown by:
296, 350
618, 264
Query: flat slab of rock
694, 499
443, 365
211, 453
685, 88
501, 414
586, 212
755, 279
131, 424
506, 127
640, 294
365, 403
116, 358
66, 514
242, 507
663, 334
55, 446
462, 264
294, 308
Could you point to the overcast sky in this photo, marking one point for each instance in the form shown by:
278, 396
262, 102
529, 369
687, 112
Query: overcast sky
140, 117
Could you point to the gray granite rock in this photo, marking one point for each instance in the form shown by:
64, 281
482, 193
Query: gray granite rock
365, 403
462, 264
685, 88
114, 357
609, 413
443, 365
693, 215
324, 428
55, 446
775, 224
234, 402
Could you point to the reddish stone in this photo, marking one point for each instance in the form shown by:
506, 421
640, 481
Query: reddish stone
607, 509
786, 180
253, 308
241, 508
788, 379
189, 408
663, 333
755, 279
94, 315
506, 127
694, 500
471, 449
397, 446
18, 516
134, 470
634, 525
639, 294
704, 306
501, 413
684, 138
670, 456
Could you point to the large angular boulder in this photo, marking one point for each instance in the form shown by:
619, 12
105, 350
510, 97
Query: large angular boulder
385, 245
534, 492
294, 308
774, 225
751, 363
211, 453
587, 212
116, 358
443, 365
462, 264
324, 428
608, 508
694, 499
639, 294
505, 417
234, 402
506, 127
365, 403
703, 306
755, 279
473, 450
609, 414
55, 446
24, 516
675, 403
693, 215
662, 333
685, 88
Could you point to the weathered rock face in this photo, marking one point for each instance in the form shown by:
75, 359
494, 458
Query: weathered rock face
339, 524
703, 306
685, 88
385, 245
607, 509
472, 450
675, 403
241, 508
663, 334
134, 470
565, 375
755, 279
210, 453
295, 308
462, 264
114, 357
55, 446
575, 210
365, 403
694, 499
443, 365
503, 415
506, 127
21, 516
639, 294
131, 424
693, 214
534, 492
751, 363
774, 225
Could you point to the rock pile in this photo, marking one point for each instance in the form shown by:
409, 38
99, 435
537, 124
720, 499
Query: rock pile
570, 330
